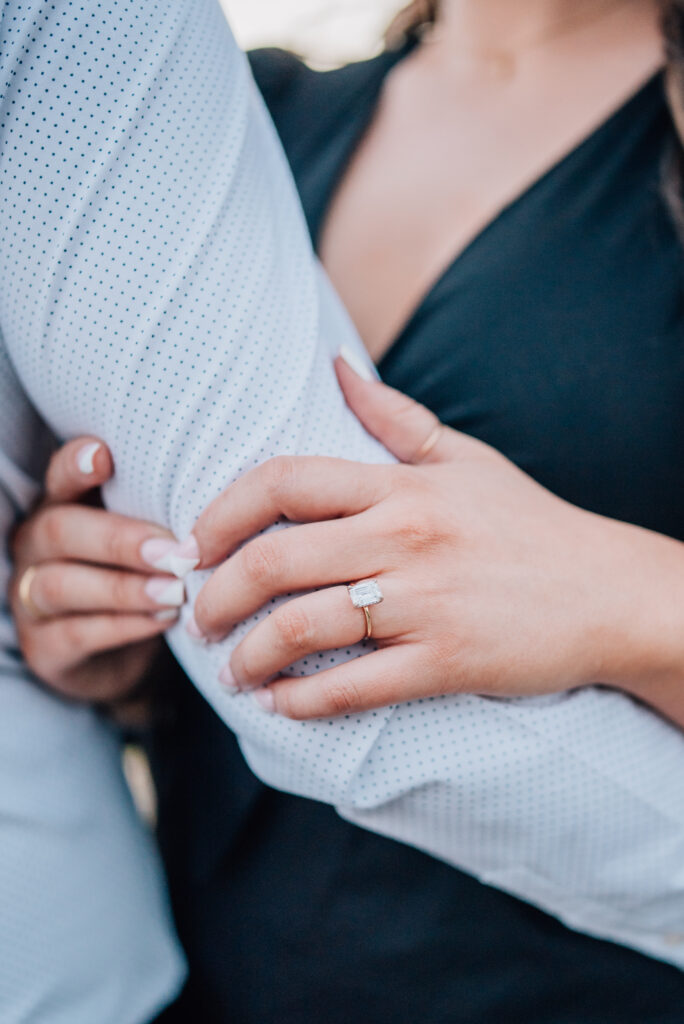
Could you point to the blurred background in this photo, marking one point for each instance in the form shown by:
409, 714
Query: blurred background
326, 32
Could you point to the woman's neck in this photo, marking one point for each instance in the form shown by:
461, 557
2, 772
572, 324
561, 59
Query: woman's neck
506, 25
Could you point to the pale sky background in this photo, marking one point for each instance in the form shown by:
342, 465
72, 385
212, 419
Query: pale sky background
328, 31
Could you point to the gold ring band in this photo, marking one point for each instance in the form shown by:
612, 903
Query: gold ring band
24, 593
429, 444
363, 595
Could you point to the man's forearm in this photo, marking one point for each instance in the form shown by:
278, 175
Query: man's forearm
159, 290
86, 931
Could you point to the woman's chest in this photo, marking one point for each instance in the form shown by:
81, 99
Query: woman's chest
558, 333
433, 172
563, 347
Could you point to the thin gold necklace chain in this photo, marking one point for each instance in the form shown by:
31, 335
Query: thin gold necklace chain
524, 44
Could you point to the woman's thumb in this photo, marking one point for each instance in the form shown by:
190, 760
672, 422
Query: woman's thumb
407, 429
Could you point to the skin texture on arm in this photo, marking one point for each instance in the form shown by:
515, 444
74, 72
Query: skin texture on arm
158, 290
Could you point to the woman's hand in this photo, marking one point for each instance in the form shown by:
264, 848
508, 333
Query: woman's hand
491, 584
91, 607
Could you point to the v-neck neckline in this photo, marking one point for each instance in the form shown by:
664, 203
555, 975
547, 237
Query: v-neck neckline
367, 97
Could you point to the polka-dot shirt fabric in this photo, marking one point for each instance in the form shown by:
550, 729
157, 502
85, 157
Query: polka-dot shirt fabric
158, 289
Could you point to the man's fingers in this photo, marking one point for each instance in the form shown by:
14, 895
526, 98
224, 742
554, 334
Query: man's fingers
55, 648
82, 534
66, 588
372, 681
300, 489
76, 468
114, 679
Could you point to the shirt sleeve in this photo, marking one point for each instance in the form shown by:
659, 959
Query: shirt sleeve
158, 289
86, 933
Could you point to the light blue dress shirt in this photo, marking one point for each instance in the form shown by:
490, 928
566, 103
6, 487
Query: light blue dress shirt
158, 289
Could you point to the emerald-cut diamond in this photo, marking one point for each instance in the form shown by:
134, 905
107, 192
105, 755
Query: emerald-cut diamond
365, 593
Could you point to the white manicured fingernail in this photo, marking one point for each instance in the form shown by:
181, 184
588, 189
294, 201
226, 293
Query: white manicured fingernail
265, 699
193, 629
169, 556
167, 615
356, 363
86, 458
163, 591
227, 680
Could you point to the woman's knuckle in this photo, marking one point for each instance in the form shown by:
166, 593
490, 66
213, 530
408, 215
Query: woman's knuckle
294, 627
404, 406
342, 696
280, 472
262, 561
403, 479
418, 533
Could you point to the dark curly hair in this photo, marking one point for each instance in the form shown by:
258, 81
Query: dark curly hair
419, 13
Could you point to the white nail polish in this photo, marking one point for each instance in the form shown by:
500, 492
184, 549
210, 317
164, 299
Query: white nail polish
170, 556
86, 457
357, 363
193, 629
265, 699
170, 592
167, 615
176, 565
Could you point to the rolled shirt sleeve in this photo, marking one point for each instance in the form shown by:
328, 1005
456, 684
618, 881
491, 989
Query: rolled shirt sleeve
158, 289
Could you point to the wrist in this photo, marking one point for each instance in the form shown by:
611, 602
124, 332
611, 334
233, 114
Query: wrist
641, 633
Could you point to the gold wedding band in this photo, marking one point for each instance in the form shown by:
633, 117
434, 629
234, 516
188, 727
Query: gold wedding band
24, 593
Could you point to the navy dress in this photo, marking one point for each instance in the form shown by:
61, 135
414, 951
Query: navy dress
558, 337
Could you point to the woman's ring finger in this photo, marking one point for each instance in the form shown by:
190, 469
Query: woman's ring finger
322, 621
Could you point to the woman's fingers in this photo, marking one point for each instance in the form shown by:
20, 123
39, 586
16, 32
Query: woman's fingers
79, 533
76, 468
61, 588
283, 562
385, 677
304, 626
406, 428
55, 648
300, 489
